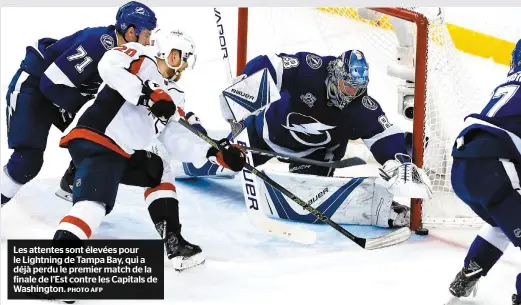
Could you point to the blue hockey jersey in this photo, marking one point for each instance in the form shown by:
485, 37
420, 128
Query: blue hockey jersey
304, 120
68, 68
496, 131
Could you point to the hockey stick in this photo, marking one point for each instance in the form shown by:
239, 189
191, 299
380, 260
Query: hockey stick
336, 164
387, 240
222, 42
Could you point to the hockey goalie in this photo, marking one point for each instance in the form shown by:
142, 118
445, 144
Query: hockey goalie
307, 105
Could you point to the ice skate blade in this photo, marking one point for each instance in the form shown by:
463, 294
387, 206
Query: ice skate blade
64, 195
180, 263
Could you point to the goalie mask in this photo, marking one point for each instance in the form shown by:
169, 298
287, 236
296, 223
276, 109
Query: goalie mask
348, 77
164, 42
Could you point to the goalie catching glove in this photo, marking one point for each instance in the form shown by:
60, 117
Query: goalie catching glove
157, 100
404, 179
232, 157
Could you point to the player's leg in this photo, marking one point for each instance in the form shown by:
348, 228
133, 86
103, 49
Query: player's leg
29, 119
96, 181
98, 174
516, 298
488, 247
148, 170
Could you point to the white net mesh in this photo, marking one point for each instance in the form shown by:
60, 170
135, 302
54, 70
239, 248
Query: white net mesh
451, 92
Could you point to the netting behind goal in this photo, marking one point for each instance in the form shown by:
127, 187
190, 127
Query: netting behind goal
448, 96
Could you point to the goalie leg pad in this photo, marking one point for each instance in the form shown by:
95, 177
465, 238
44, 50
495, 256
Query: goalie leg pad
345, 200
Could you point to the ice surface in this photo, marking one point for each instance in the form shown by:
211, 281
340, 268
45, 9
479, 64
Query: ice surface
244, 266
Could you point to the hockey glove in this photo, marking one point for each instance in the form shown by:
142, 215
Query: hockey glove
232, 158
404, 179
157, 100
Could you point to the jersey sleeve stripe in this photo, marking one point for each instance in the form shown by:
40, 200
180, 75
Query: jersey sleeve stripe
135, 66
56, 75
83, 133
387, 132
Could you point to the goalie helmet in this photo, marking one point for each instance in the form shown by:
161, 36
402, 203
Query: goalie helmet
165, 41
348, 77
515, 62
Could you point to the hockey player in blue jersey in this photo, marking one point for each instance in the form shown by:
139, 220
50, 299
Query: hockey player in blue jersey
323, 105
53, 82
485, 175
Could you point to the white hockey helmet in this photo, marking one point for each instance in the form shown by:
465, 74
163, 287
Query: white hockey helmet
166, 41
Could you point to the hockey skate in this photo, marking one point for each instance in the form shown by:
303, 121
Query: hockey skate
400, 215
183, 254
65, 190
516, 300
466, 281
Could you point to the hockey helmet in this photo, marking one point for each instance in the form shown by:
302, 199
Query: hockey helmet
348, 77
136, 14
165, 41
515, 62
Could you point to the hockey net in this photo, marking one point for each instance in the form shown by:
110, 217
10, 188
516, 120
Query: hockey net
444, 92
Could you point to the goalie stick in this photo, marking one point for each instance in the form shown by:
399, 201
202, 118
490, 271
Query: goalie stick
257, 217
335, 164
383, 241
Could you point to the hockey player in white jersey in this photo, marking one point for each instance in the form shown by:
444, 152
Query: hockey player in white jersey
135, 105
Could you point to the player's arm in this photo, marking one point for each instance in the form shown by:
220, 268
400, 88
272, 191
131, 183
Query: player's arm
181, 144
179, 97
122, 70
388, 145
62, 81
383, 139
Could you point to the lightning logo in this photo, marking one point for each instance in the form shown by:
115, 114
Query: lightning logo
315, 133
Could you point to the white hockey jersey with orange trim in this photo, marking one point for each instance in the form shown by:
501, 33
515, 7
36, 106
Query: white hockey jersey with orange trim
116, 120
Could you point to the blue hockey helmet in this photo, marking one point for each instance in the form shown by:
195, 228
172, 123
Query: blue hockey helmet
515, 62
136, 14
348, 77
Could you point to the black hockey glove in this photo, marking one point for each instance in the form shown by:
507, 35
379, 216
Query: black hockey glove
233, 157
157, 100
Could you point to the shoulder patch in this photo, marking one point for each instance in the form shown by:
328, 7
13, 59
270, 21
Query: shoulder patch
369, 103
107, 41
314, 61
308, 99
384, 122
289, 62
